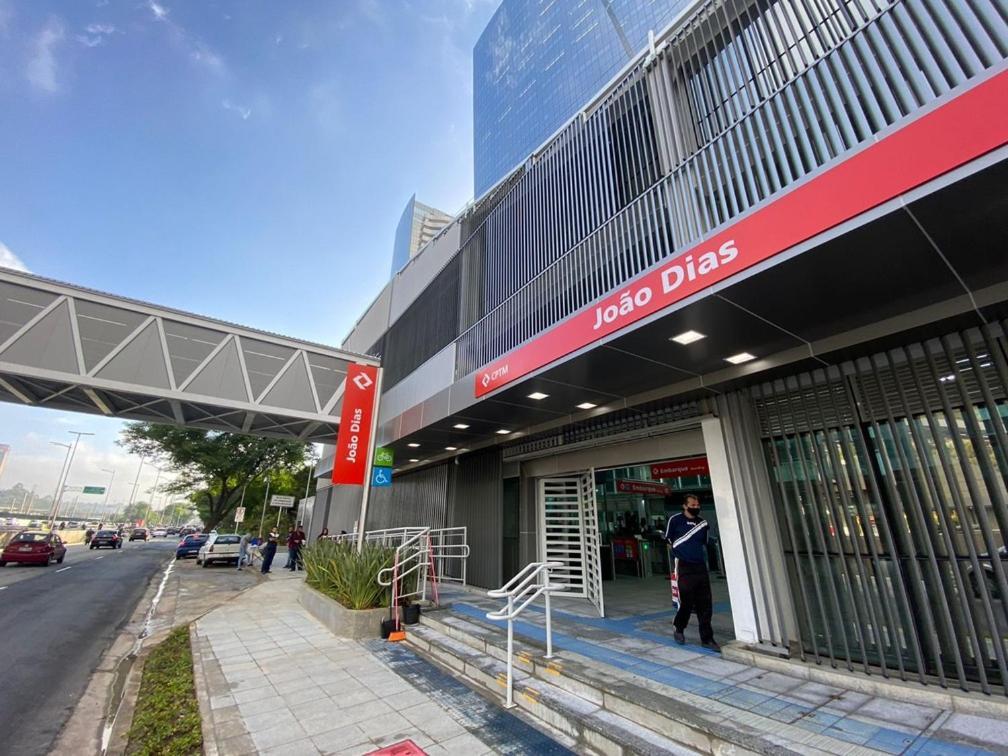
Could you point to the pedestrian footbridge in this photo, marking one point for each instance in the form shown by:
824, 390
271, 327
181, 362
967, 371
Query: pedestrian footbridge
71, 348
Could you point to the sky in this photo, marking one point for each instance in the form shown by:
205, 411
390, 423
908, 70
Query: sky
242, 159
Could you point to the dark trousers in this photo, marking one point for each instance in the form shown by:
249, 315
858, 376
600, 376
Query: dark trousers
268, 553
695, 596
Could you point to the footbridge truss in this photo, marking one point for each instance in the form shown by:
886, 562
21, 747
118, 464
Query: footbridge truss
71, 348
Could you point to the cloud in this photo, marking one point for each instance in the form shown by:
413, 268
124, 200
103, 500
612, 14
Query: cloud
42, 65
159, 11
9, 260
198, 51
241, 110
95, 34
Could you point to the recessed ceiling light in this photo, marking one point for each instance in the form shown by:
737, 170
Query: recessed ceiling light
503, 432
537, 395
414, 460
587, 405
413, 446
688, 337
738, 359
451, 448
460, 426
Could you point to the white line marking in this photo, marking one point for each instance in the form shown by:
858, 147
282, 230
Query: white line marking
101, 557
3, 587
64, 569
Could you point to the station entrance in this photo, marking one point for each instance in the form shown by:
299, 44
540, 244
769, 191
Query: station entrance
606, 526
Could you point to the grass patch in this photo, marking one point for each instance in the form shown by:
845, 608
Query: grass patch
167, 718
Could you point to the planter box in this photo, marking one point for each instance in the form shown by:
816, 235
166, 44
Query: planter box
346, 623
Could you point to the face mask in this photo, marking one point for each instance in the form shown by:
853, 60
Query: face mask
694, 511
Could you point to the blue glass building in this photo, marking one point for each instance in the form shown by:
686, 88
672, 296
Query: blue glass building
538, 61
418, 224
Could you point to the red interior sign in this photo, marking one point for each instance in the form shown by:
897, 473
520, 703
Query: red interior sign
958, 131
354, 438
646, 487
680, 468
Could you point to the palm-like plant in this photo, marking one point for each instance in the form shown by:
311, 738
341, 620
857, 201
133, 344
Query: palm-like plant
340, 572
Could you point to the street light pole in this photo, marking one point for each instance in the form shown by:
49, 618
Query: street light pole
136, 481
108, 491
66, 473
59, 481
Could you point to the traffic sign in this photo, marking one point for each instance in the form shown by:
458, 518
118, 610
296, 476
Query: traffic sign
285, 502
381, 476
382, 457
94, 489
239, 514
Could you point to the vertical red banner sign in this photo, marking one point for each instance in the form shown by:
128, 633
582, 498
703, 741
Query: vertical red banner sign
354, 438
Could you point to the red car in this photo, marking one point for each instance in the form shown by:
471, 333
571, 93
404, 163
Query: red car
34, 547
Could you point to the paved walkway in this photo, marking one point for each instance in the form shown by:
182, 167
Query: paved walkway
274, 680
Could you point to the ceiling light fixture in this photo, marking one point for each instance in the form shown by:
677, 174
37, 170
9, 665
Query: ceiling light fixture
451, 448
503, 432
587, 405
414, 460
460, 426
413, 446
688, 337
537, 395
738, 359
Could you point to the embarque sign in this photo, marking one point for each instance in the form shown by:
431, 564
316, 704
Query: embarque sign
354, 437
962, 129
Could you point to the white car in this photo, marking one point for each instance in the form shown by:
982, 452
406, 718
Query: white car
159, 533
220, 547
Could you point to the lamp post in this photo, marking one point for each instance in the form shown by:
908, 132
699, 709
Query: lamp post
108, 491
136, 481
66, 472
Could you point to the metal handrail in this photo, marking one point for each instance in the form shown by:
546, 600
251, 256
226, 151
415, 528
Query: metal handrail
530, 583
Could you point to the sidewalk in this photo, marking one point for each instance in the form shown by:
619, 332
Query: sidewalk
272, 679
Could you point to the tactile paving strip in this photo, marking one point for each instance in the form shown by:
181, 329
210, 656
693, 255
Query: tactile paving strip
495, 726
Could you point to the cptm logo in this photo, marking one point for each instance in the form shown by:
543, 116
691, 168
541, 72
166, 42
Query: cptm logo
490, 377
362, 381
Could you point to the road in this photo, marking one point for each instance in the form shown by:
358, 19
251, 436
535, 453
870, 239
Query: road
55, 623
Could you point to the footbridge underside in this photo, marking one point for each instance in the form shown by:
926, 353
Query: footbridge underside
74, 349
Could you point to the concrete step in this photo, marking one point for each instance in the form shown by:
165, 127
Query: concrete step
678, 717
593, 729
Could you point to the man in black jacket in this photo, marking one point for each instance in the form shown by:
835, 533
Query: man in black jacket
687, 533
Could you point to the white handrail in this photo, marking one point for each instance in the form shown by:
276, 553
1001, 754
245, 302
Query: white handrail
530, 583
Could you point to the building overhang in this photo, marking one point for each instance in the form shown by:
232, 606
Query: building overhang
910, 264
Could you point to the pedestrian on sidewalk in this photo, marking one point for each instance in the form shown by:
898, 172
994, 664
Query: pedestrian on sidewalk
269, 551
299, 538
323, 535
290, 548
243, 546
687, 533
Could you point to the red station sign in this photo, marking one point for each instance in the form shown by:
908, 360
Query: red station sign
646, 487
958, 131
354, 437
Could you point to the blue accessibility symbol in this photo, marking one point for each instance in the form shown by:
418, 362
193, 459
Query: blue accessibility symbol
381, 476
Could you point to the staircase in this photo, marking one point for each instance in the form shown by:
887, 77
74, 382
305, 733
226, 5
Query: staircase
651, 699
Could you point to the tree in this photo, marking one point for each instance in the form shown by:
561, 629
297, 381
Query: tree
214, 465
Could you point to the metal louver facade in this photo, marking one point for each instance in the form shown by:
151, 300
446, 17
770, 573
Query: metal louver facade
739, 103
890, 483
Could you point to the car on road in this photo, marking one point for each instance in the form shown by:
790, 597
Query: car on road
190, 545
220, 547
34, 524
108, 538
138, 534
159, 533
34, 547
172, 531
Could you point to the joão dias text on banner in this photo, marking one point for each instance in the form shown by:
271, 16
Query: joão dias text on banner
354, 439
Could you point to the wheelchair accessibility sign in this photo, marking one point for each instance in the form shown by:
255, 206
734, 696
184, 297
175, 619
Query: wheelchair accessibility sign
381, 476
